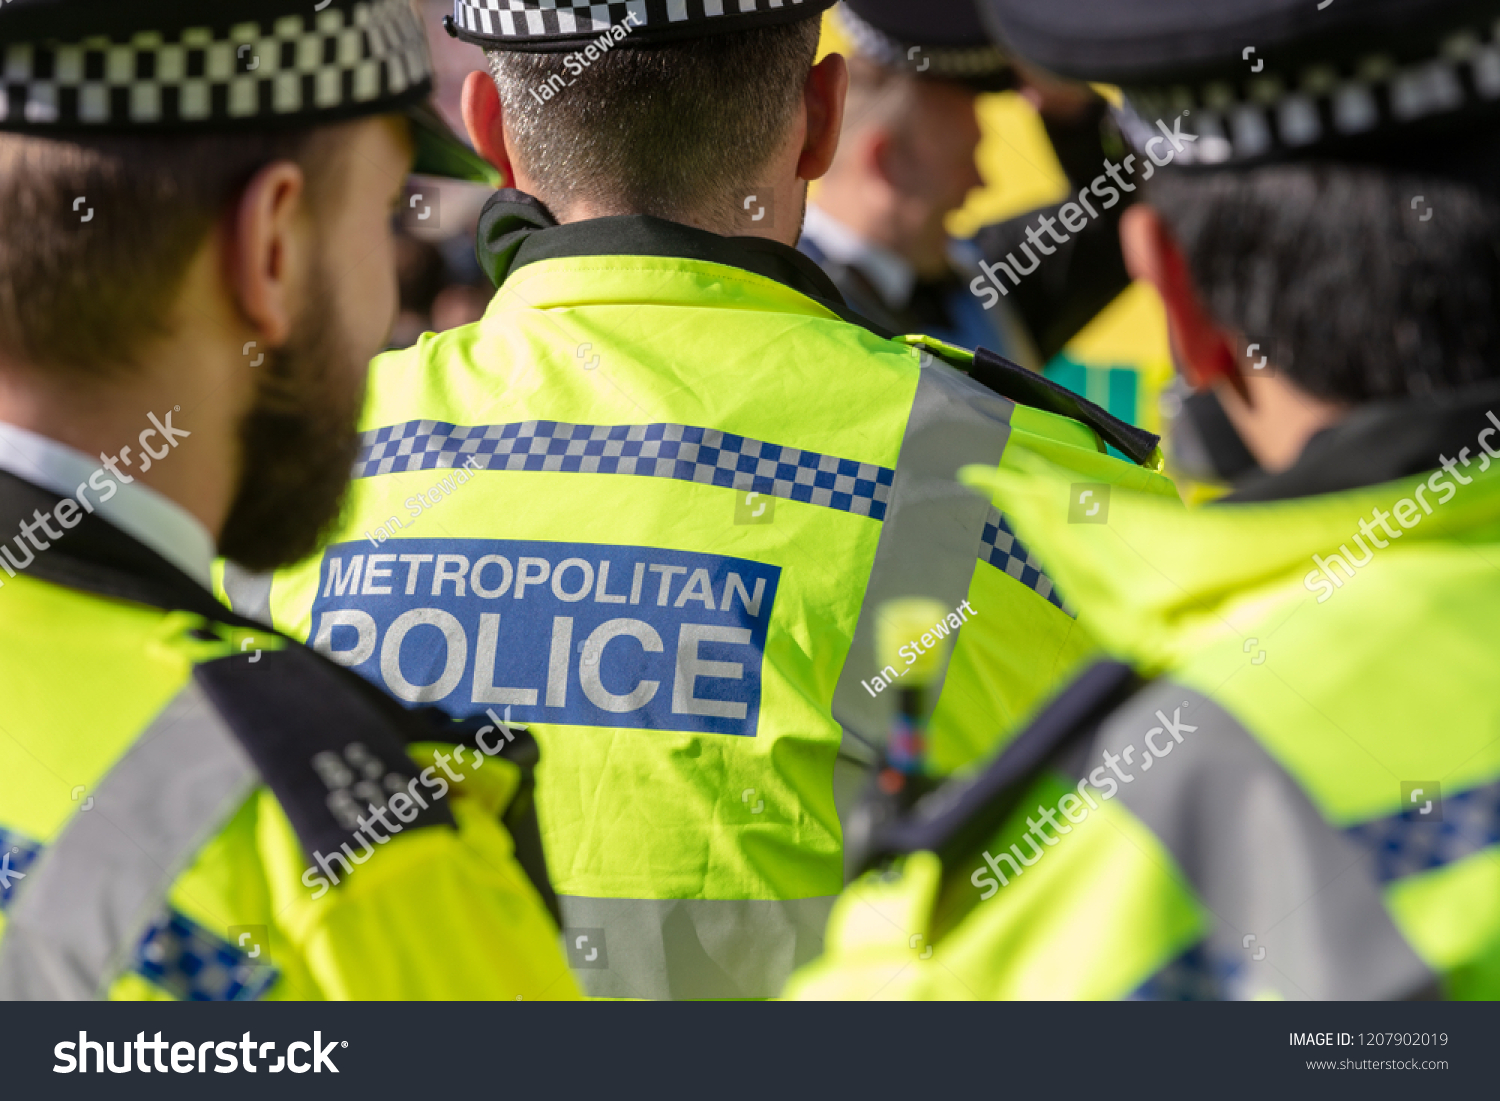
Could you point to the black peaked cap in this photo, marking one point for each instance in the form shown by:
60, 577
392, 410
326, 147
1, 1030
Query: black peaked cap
71, 67
558, 26
1264, 80
938, 39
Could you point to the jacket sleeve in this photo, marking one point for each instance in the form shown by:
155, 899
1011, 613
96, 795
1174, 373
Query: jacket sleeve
1088, 915
438, 913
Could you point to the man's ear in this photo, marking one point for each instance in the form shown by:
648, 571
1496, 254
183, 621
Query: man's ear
1152, 254
882, 158
823, 100
484, 120
269, 250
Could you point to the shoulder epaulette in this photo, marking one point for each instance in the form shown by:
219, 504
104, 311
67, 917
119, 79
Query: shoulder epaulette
334, 756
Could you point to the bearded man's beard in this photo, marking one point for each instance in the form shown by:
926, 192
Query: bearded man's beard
299, 443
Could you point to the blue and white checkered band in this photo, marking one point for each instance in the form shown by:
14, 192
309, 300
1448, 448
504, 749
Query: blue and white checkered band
537, 20
1274, 115
950, 63
347, 59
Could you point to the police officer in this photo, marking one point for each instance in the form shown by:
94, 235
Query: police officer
906, 162
196, 266
653, 501
1289, 784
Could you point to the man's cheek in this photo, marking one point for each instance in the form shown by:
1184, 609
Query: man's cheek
370, 297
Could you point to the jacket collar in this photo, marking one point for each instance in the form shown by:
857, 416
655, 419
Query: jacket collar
516, 229
1155, 582
97, 557
1382, 442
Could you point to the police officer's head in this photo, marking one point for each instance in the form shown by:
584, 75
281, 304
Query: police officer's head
1332, 236
196, 202
682, 111
906, 158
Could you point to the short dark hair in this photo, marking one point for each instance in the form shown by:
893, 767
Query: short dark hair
675, 130
100, 230
1333, 271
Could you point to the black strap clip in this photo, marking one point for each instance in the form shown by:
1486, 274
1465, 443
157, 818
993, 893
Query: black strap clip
962, 815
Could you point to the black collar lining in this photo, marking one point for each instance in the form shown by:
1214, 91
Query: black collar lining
97, 557
1381, 442
515, 230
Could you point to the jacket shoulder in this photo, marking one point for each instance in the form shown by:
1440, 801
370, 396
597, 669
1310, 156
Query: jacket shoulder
1035, 391
330, 747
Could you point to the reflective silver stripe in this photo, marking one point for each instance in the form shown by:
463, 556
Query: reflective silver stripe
85, 905
690, 948
929, 543
249, 593
1262, 859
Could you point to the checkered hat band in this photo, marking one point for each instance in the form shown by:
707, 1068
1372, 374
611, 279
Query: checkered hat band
339, 60
532, 19
1406, 844
683, 452
1274, 114
1000, 548
180, 956
937, 61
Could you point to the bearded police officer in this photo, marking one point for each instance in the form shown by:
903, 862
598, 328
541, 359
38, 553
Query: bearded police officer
195, 267
653, 501
1289, 785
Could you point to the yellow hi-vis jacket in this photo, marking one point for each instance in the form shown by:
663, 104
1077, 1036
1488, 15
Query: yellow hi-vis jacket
650, 505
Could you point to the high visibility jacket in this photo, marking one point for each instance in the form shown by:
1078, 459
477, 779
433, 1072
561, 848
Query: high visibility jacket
169, 774
1302, 801
650, 504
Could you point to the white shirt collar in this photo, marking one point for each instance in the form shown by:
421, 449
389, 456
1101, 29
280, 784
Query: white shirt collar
139, 511
892, 277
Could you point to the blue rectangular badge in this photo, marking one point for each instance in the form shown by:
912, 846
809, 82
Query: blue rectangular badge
580, 634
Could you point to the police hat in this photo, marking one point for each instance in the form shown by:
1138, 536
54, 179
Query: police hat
1264, 80
555, 26
938, 39
70, 67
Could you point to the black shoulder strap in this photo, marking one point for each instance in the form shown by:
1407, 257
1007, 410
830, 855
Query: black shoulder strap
1030, 388
963, 814
333, 749
328, 752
